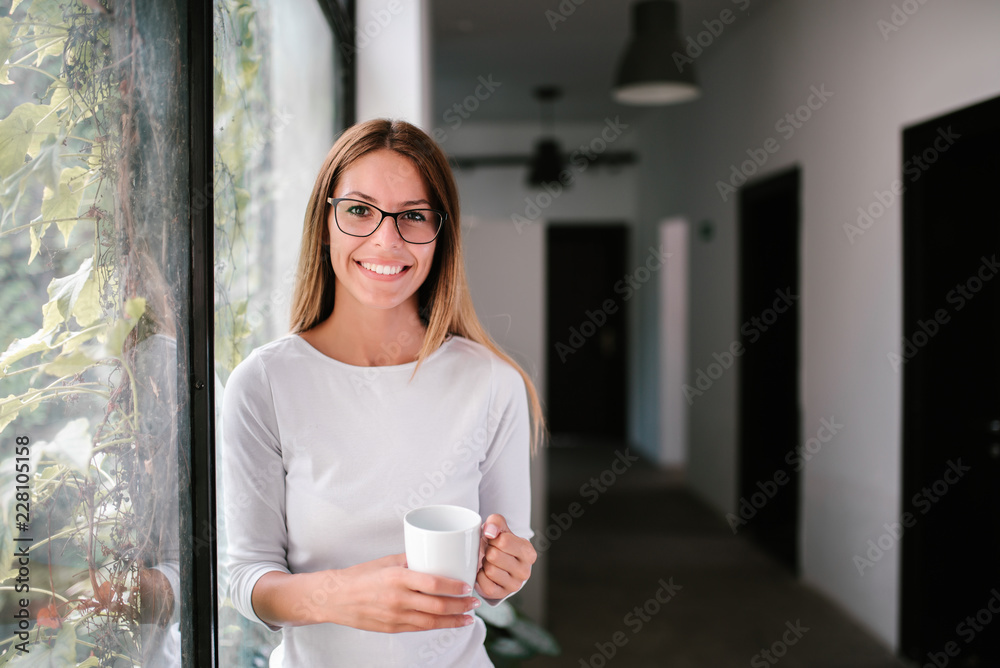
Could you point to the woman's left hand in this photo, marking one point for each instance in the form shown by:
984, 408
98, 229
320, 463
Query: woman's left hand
505, 560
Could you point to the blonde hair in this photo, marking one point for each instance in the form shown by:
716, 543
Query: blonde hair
444, 300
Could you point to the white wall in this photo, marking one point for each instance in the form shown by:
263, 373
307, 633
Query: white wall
500, 196
505, 257
502, 265
945, 56
675, 239
393, 60
301, 133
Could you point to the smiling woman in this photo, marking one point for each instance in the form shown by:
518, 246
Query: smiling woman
329, 429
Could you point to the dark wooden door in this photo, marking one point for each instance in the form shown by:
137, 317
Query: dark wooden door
769, 419
587, 298
950, 361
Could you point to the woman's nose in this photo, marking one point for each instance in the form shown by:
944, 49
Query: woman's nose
387, 234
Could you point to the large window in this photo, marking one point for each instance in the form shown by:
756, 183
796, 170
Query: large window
110, 169
275, 92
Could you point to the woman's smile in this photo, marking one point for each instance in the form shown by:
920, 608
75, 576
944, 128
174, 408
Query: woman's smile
382, 270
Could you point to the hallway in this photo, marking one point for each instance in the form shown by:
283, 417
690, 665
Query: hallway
646, 575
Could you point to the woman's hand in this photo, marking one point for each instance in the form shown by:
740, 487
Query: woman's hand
505, 560
381, 595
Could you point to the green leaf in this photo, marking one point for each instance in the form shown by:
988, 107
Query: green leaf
62, 204
72, 446
64, 292
55, 48
502, 615
46, 12
509, 648
44, 169
15, 3
23, 132
20, 348
60, 93
51, 316
70, 341
35, 234
9, 408
115, 337
16, 134
7, 46
43, 134
91, 662
534, 636
135, 307
70, 364
87, 309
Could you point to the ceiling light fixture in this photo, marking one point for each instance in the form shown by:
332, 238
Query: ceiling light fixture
546, 162
648, 74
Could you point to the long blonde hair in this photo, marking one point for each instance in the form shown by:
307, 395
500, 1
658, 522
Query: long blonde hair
443, 299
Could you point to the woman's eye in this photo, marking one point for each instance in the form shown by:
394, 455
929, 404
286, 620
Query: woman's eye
358, 210
414, 216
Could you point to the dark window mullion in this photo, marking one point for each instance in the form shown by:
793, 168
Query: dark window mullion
201, 584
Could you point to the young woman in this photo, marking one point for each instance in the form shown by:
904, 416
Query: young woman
387, 395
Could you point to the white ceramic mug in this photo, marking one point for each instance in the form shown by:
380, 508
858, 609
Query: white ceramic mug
443, 540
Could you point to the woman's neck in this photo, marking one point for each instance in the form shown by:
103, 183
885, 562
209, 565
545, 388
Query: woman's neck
369, 337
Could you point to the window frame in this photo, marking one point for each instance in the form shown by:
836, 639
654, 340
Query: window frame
199, 566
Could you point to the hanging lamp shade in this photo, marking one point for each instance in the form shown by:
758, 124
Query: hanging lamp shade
649, 74
546, 163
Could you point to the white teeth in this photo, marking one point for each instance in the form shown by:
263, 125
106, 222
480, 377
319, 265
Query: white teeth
381, 269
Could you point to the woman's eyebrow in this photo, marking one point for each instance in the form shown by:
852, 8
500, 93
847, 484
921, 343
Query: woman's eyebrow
354, 194
368, 198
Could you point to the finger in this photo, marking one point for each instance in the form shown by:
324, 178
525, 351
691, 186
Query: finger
515, 546
483, 544
439, 605
495, 525
414, 620
436, 585
494, 582
504, 561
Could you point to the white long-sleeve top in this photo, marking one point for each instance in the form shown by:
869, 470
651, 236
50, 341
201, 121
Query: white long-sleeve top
322, 459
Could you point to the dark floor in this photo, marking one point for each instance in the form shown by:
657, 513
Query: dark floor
630, 544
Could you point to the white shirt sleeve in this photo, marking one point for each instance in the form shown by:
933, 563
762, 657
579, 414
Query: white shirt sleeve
253, 484
505, 487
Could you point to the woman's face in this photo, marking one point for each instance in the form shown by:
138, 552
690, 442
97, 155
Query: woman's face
381, 270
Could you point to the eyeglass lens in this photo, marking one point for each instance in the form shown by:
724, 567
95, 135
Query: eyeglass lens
360, 219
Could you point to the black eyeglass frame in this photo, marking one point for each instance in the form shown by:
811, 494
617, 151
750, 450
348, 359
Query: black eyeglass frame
333, 201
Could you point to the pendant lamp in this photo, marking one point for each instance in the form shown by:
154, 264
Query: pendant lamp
649, 73
547, 161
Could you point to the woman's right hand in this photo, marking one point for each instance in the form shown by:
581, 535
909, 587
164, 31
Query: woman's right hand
380, 595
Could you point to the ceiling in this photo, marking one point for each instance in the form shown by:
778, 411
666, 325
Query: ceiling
522, 45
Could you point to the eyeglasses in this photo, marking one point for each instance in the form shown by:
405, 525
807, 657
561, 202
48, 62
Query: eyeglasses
361, 219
